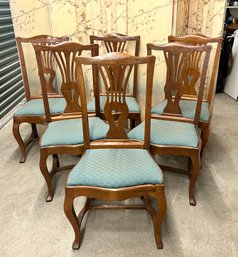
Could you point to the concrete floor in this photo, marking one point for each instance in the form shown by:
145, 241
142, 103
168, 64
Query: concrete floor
32, 227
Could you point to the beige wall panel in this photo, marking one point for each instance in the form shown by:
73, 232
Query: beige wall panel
207, 17
62, 18
181, 17
152, 20
30, 18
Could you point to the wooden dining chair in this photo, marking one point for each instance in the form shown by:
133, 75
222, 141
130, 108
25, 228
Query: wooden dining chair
33, 110
116, 42
171, 132
116, 168
63, 134
188, 101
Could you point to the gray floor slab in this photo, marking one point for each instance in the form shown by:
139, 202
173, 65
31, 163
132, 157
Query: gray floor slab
32, 227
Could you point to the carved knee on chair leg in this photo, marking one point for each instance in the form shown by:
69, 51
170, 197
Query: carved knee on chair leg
73, 219
46, 175
17, 136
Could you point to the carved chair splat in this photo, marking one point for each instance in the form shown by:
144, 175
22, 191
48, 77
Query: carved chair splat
117, 42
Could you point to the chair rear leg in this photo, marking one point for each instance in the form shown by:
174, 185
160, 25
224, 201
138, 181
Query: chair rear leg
159, 214
132, 123
196, 164
204, 137
148, 205
34, 131
135, 122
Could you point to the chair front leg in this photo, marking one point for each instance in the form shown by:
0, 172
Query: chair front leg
196, 164
17, 135
48, 176
159, 215
23, 145
72, 217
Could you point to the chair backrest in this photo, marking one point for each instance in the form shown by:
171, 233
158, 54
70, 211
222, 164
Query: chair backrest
116, 68
179, 59
199, 39
39, 39
64, 55
117, 42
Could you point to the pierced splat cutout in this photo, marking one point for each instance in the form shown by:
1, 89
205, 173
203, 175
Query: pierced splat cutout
173, 89
23, 44
117, 42
192, 73
174, 92
183, 72
63, 57
49, 76
186, 65
115, 69
66, 63
190, 78
114, 45
115, 79
114, 42
49, 66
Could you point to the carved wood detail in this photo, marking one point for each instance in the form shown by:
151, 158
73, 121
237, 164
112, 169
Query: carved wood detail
62, 58
31, 41
115, 69
174, 81
69, 89
115, 79
49, 66
186, 66
117, 42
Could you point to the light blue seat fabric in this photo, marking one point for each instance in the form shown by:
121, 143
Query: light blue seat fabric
131, 102
188, 109
36, 107
115, 168
167, 133
70, 132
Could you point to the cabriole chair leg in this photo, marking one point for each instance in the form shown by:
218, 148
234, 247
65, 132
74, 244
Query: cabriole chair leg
196, 163
72, 217
46, 174
159, 215
17, 135
23, 145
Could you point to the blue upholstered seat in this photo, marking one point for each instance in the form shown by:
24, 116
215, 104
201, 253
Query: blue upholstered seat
115, 168
70, 132
188, 109
131, 102
36, 107
168, 133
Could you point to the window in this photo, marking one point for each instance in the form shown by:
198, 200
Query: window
11, 85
